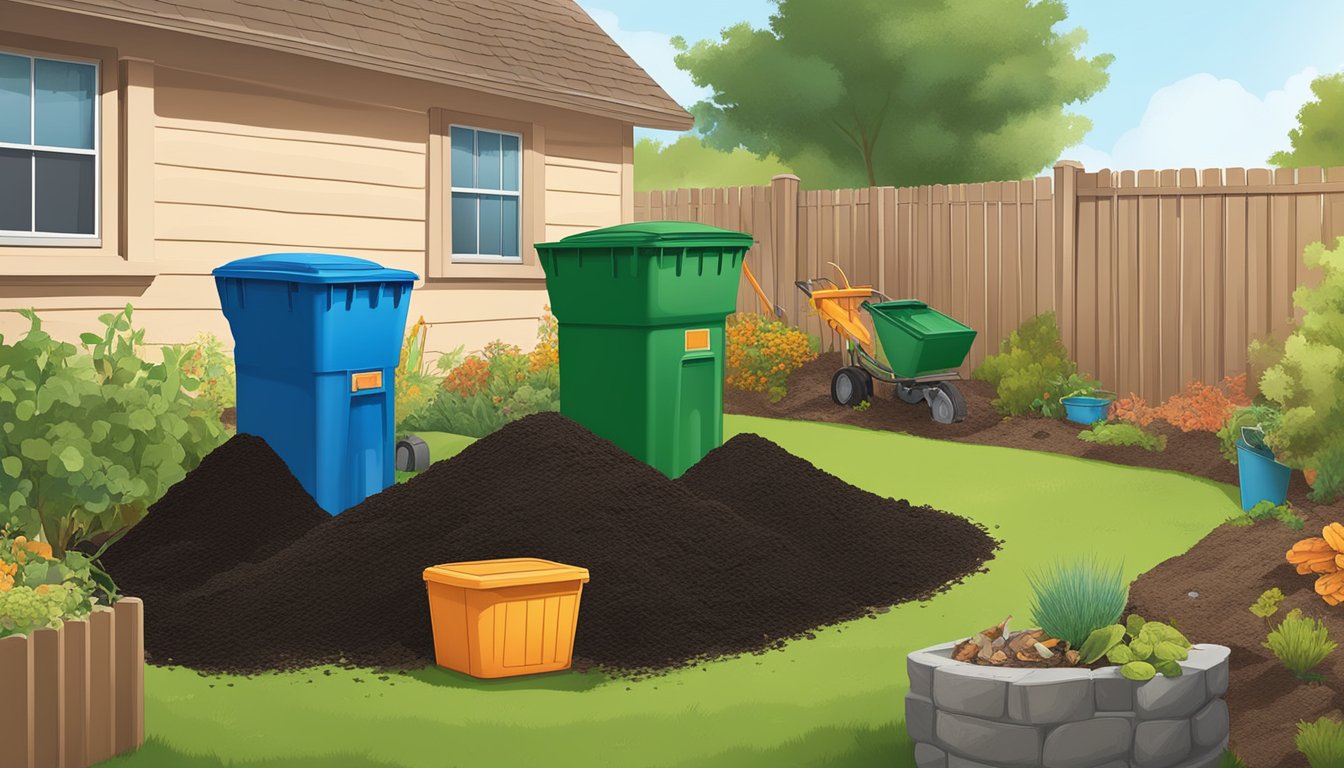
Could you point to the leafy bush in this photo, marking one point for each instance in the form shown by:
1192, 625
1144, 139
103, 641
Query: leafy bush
762, 353
99, 436
205, 361
1268, 603
1268, 510
1050, 403
1307, 381
1141, 648
38, 589
1322, 743
486, 390
1198, 407
1030, 359
1071, 599
1300, 643
1123, 434
1259, 415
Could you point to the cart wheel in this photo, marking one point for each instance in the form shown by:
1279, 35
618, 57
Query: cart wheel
946, 403
909, 394
851, 386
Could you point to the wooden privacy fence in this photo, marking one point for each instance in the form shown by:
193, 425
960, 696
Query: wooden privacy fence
74, 696
1157, 277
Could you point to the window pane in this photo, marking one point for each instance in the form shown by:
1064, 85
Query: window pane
492, 210
464, 223
16, 97
511, 227
511, 157
16, 190
487, 165
464, 157
64, 193
64, 93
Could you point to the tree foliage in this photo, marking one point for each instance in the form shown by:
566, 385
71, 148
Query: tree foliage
898, 93
687, 162
1318, 138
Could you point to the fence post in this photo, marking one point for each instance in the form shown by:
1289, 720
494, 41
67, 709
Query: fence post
784, 227
1066, 248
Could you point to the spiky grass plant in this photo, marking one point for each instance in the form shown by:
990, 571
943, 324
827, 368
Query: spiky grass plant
1322, 742
1300, 643
1072, 598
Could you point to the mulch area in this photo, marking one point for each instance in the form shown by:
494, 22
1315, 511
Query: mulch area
1227, 570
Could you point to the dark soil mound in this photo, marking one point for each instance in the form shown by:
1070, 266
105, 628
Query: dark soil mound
872, 547
1226, 571
241, 505
674, 577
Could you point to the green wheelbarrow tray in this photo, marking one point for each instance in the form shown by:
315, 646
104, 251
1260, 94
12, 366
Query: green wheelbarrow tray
917, 340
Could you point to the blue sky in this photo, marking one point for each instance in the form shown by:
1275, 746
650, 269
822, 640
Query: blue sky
1195, 82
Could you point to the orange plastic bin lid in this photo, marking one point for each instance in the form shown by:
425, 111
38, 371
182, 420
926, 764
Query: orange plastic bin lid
508, 572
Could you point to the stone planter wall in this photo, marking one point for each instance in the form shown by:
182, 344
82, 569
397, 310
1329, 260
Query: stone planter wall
967, 716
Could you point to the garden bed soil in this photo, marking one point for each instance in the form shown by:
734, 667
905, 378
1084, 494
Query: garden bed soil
680, 570
240, 505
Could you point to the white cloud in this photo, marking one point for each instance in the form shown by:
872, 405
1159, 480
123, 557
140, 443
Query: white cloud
1205, 122
654, 52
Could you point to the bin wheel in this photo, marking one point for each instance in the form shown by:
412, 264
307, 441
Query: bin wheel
946, 403
909, 394
851, 386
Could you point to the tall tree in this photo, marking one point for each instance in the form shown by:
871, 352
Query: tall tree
910, 92
1318, 138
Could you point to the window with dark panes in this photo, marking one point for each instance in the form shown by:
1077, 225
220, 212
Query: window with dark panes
48, 147
487, 194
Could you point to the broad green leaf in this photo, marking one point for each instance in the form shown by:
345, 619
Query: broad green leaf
12, 465
98, 430
1133, 624
72, 458
90, 338
1120, 654
125, 443
1142, 649
1169, 668
36, 449
1169, 651
25, 410
1138, 671
1100, 641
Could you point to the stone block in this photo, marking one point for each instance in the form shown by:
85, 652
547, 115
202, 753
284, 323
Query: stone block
1171, 697
1161, 743
1211, 725
1052, 696
929, 756
1212, 661
1114, 692
1002, 744
919, 667
919, 717
974, 690
1084, 744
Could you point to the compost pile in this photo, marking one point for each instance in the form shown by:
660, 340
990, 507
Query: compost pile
751, 548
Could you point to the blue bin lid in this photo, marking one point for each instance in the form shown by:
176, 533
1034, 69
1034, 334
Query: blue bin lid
321, 268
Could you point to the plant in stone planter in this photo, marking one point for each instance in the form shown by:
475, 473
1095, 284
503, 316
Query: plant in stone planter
1070, 599
1141, 648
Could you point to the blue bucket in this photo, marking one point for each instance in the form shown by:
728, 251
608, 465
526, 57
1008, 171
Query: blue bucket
1086, 410
1262, 478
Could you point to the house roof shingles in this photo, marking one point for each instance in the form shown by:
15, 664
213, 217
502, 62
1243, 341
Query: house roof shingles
546, 51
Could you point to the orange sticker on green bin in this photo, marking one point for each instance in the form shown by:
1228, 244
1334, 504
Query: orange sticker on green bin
697, 340
500, 618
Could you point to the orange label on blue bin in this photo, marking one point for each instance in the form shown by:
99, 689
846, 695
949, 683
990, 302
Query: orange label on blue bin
697, 340
366, 380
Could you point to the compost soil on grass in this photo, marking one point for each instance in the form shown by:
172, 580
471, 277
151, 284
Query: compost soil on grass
676, 576
240, 505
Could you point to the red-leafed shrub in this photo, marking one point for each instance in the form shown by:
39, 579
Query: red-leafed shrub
1197, 408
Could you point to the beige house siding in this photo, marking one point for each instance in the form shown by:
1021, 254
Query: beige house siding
230, 151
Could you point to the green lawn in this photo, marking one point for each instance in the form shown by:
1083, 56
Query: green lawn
832, 701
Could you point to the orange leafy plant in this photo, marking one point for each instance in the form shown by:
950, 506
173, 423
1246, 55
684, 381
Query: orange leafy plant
1325, 556
1198, 407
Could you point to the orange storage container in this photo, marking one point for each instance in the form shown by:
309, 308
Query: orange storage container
500, 618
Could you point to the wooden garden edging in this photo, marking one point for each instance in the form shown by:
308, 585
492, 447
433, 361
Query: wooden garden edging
74, 696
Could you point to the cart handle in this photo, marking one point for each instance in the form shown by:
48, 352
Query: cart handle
805, 286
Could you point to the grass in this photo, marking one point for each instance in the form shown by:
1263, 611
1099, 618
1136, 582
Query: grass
1071, 598
1322, 742
832, 701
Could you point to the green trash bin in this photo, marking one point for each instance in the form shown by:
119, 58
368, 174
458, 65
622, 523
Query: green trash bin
640, 309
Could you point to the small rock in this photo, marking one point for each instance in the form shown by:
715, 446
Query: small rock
1192, 595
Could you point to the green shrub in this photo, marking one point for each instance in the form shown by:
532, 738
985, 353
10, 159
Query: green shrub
1050, 403
1071, 599
1030, 359
1322, 742
1259, 415
1307, 382
1119, 433
1267, 510
486, 390
1268, 603
95, 438
1300, 643
1230, 760
415, 386
39, 589
205, 362
1141, 648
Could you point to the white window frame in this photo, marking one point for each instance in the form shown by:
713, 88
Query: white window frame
15, 237
485, 258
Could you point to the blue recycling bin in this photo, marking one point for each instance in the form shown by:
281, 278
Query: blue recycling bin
317, 338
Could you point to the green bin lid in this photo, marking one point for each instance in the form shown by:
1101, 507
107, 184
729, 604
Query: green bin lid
656, 234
